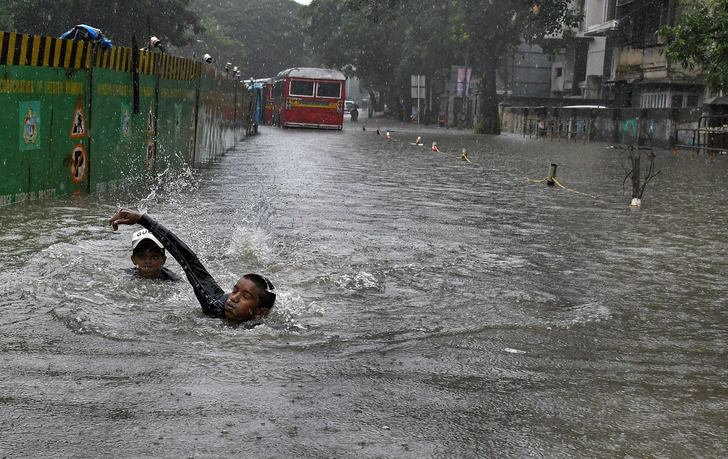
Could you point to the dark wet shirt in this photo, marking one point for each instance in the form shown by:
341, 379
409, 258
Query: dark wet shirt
210, 295
165, 274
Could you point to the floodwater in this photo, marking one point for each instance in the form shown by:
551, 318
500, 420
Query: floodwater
427, 307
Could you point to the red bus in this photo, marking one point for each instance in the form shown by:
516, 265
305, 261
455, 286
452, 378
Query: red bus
309, 97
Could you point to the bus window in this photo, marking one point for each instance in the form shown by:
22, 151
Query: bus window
328, 89
301, 88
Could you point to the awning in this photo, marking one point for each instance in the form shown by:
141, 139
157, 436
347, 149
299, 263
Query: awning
716, 101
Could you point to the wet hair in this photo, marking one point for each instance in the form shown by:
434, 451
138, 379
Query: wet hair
147, 246
267, 292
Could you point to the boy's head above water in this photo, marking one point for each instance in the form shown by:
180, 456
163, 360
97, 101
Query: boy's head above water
252, 298
147, 254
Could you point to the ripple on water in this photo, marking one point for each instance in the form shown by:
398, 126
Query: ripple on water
403, 278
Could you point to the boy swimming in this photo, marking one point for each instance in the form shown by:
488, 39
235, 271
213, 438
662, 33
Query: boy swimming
252, 297
148, 256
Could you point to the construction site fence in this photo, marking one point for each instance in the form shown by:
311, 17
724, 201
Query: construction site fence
709, 137
77, 118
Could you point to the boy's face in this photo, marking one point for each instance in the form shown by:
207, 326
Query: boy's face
149, 262
242, 303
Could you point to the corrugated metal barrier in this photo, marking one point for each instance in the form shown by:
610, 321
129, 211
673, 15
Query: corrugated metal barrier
68, 126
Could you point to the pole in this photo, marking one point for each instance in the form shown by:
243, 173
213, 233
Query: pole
636, 198
419, 113
636, 177
552, 175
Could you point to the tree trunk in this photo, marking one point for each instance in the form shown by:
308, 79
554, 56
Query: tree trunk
373, 101
403, 113
490, 120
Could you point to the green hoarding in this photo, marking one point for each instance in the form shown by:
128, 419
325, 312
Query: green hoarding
77, 119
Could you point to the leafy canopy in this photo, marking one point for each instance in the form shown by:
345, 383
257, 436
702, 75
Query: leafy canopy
119, 20
385, 41
6, 19
700, 40
262, 37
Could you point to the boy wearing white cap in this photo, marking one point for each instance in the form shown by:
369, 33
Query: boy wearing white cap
252, 297
149, 257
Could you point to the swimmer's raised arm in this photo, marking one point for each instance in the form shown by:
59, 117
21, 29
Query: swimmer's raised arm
124, 217
253, 295
210, 295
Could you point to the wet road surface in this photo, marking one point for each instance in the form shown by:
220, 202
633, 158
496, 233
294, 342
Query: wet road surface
427, 307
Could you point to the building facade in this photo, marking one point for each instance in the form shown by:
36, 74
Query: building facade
623, 61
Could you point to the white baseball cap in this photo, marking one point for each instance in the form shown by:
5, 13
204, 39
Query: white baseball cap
141, 235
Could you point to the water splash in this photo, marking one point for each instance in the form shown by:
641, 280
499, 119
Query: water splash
250, 244
361, 280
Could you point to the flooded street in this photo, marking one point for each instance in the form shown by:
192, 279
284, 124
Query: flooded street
427, 307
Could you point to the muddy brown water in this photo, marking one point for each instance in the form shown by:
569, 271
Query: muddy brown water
428, 307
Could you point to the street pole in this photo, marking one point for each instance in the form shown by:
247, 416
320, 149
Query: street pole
419, 113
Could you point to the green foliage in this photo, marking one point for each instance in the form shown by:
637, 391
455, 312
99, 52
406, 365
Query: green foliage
385, 41
345, 39
6, 19
700, 40
216, 41
263, 36
119, 20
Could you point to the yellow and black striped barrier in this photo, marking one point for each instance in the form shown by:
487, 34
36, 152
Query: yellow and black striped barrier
34, 51
30, 50
170, 67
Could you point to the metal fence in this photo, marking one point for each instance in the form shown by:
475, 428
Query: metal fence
572, 129
710, 137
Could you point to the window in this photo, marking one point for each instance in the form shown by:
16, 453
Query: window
674, 98
654, 100
301, 88
326, 89
639, 21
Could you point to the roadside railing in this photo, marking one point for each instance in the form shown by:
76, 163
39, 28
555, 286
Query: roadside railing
572, 129
709, 138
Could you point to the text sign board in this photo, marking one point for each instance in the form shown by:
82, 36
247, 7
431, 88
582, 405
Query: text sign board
418, 86
414, 80
414, 93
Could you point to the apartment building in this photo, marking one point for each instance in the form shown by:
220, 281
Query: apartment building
615, 57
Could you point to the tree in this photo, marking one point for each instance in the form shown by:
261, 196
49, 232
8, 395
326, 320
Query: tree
119, 20
700, 40
216, 41
380, 47
494, 29
6, 19
269, 33
343, 41
478, 32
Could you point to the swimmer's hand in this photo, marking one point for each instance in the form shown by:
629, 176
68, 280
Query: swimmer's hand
124, 217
